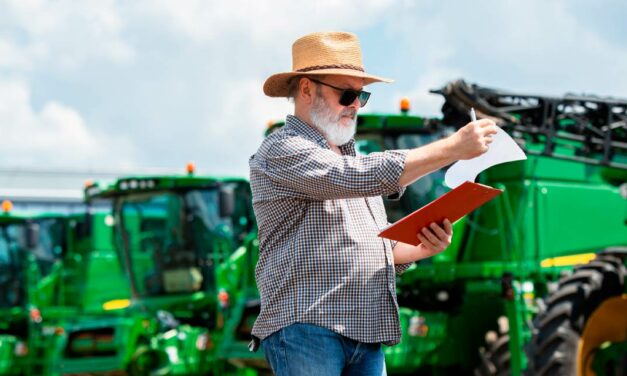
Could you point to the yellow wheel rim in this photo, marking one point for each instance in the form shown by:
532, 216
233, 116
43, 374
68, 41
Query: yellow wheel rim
608, 323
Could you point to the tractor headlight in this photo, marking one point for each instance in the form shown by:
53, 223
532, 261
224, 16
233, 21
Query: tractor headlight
21, 349
203, 342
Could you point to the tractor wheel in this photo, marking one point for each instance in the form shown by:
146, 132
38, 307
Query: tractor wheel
495, 357
586, 315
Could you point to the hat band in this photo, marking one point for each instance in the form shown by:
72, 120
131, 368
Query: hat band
335, 66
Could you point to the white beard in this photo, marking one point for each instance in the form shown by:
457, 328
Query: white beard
329, 124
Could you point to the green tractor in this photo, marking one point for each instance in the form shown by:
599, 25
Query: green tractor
31, 247
89, 261
535, 280
188, 247
52, 272
92, 292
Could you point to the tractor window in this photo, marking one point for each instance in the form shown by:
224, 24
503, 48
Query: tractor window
368, 145
12, 293
429, 187
204, 206
242, 220
169, 239
50, 244
5, 252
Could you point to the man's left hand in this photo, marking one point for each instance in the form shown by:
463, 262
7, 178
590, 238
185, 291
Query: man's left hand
435, 238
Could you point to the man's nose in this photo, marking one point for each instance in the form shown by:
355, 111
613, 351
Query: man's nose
356, 104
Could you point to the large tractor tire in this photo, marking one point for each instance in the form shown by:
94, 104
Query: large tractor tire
495, 356
586, 314
495, 359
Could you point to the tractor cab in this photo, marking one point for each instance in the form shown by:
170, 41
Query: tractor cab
12, 256
188, 247
31, 248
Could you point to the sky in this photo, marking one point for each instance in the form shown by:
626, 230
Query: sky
129, 85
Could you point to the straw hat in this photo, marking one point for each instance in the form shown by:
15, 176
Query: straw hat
321, 54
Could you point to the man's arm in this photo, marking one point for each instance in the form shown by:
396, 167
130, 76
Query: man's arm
318, 173
468, 142
433, 241
301, 168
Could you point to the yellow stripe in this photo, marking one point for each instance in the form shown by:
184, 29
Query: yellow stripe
116, 304
567, 260
529, 295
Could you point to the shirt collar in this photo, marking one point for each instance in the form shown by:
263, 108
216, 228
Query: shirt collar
312, 133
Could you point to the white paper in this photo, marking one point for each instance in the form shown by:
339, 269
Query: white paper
502, 149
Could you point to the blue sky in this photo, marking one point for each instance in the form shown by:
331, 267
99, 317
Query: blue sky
115, 85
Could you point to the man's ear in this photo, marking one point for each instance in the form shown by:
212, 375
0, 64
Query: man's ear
306, 90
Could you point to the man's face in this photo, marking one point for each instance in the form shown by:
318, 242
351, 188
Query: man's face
335, 121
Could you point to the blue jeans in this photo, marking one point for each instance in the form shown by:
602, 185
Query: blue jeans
306, 349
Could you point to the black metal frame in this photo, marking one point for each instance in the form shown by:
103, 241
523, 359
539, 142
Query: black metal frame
600, 124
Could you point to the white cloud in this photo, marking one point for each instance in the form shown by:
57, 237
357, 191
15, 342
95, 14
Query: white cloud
63, 34
261, 20
239, 44
423, 102
56, 136
237, 130
14, 56
186, 78
532, 46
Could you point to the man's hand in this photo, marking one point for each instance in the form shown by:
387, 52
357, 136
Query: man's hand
468, 142
472, 139
435, 239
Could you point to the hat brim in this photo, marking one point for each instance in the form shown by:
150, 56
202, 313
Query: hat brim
277, 85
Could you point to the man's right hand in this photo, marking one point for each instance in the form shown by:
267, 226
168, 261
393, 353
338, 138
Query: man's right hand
472, 139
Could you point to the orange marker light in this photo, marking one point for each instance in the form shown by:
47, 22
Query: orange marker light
405, 104
191, 168
223, 298
7, 206
88, 183
35, 315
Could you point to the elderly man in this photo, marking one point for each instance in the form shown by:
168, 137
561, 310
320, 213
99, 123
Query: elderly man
327, 282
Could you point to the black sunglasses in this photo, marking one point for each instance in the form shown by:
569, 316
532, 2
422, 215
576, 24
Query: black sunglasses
348, 95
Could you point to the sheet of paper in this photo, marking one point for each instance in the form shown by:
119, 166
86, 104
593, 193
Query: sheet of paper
502, 149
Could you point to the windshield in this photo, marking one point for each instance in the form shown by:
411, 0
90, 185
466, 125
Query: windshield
419, 193
50, 243
168, 238
42, 239
11, 269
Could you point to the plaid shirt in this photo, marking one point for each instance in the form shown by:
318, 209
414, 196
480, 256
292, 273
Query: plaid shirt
319, 213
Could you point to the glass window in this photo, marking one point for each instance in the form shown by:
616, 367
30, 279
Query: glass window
12, 284
170, 238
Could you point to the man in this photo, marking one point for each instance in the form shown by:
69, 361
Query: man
327, 282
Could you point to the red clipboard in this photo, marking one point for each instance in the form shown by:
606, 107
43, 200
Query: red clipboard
452, 205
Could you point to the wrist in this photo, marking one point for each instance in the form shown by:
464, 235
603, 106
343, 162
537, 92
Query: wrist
450, 149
